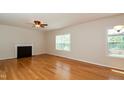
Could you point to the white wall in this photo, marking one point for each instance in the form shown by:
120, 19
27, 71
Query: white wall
11, 36
88, 42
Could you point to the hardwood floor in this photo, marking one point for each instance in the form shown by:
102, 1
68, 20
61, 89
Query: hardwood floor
48, 67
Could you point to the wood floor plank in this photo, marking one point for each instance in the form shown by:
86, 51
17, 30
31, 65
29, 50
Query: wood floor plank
49, 67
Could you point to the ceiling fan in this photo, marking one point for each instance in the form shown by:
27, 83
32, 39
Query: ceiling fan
39, 24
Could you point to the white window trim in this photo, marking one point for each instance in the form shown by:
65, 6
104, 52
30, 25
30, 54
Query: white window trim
107, 48
62, 49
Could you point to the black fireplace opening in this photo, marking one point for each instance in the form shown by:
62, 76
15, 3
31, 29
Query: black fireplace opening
24, 51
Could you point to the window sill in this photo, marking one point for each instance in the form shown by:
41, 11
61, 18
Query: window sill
116, 56
63, 50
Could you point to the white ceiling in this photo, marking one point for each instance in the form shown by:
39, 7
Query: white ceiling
54, 20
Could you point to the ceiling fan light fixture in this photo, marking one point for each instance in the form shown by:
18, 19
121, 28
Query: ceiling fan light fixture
37, 25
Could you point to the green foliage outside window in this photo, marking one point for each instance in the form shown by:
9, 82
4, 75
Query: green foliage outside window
116, 42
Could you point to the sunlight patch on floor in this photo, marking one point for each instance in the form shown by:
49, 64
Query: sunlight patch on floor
117, 71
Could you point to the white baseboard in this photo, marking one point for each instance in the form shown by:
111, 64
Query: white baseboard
16, 57
7, 58
86, 61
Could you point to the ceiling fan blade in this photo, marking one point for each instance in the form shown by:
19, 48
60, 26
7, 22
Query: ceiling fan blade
44, 24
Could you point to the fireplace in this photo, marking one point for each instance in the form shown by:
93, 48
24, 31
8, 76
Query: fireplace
24, 51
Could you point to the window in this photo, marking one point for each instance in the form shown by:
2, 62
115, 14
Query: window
116, 42
63, 42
